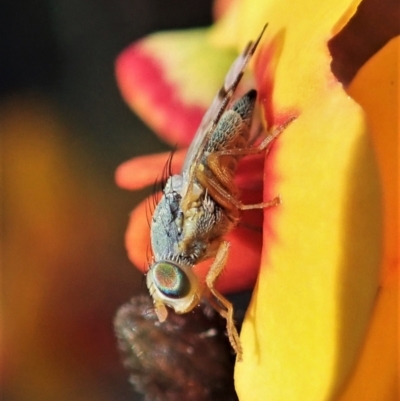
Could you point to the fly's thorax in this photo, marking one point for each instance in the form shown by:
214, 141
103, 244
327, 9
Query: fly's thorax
173, 284
203, 230
167, 219
173, 184
192, 200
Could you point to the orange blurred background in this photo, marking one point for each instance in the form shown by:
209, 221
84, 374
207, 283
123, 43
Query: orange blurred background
64, 130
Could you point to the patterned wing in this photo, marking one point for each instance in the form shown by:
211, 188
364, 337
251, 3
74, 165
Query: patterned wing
214, 113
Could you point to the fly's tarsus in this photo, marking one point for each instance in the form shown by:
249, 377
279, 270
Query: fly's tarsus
226, 310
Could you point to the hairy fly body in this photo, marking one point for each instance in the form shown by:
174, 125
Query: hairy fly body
201, 205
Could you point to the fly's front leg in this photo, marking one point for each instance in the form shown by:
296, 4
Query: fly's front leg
221, 304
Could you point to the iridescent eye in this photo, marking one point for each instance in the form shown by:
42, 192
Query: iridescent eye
170, 280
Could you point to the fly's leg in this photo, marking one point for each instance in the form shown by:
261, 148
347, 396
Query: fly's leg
215, 164
222, 187
221, 304
226, 200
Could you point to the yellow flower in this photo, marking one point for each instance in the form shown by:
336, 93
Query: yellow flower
322, 321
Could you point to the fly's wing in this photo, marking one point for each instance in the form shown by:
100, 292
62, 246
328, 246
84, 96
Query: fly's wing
213, 114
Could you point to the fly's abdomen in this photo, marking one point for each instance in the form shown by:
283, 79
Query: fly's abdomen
227, 145
233, 129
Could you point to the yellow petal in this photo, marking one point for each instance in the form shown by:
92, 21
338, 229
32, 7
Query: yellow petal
320, 270
376, 374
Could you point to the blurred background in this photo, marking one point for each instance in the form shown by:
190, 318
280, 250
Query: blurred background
64, 129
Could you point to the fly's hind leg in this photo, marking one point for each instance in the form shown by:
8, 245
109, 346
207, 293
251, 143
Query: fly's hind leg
241, 152
228, 200
222, 187
220, 303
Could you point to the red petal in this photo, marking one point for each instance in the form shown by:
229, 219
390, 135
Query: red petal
148, 91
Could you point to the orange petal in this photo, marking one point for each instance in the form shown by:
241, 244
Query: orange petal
376, 88
143, 171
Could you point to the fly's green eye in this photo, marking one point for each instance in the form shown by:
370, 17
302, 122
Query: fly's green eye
171, 280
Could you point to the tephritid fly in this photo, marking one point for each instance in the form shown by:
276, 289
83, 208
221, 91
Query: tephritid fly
201, 205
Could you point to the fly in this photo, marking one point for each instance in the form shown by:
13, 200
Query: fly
201, 205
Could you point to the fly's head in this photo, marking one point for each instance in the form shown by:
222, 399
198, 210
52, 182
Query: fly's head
173, 284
